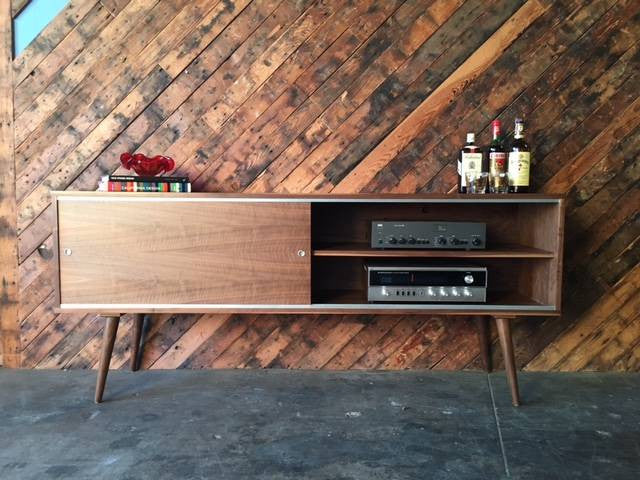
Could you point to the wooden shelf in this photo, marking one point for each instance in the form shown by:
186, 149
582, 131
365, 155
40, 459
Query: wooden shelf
364, 250
497, 303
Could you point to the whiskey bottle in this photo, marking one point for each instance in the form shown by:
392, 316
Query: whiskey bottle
497, 153
519, 161
470, 160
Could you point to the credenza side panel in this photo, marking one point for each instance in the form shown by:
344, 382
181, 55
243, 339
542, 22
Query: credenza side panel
183, 252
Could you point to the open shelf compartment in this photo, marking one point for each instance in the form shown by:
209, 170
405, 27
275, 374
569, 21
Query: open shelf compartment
524, 243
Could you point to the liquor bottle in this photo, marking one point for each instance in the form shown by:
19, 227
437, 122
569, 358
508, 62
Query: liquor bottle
519, 161
470, 160
497, 153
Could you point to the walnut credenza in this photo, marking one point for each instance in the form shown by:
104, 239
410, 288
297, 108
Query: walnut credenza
145, 253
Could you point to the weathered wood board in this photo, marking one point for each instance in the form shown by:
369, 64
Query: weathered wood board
336, 96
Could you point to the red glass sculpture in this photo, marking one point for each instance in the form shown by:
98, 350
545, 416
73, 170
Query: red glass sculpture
145, 166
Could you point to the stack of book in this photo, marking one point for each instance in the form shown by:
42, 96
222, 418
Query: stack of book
134, 183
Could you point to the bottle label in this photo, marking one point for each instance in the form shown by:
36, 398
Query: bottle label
497, 162
471, 162
519, 167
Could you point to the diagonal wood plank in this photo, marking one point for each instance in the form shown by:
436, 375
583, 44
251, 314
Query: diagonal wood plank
17, 6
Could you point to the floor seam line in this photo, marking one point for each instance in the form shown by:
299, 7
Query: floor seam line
495, 416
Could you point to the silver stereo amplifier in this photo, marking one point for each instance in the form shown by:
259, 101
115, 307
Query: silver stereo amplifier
395, 283
428, 235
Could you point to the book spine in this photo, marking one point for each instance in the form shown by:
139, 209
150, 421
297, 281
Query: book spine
130, 178
121, 186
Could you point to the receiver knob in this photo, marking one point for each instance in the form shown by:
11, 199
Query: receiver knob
468, 279
455, 292
476, 241
443, 292
402, 240
442, 241
466, 292
412, 240
431, 292
393, 239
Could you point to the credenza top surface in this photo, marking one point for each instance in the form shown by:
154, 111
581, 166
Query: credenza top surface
306, 198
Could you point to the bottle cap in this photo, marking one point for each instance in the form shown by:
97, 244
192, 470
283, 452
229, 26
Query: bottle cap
471, 137
496, 127
519, 120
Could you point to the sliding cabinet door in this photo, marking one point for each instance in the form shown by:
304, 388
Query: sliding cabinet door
166, 251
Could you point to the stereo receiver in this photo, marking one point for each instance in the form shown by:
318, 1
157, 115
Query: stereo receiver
395, 283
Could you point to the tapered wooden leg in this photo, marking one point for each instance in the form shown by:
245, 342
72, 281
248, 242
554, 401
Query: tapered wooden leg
484, 340
110, 330
138, 321
504, 331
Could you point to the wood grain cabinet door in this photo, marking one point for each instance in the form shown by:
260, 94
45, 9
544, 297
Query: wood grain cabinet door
161, 251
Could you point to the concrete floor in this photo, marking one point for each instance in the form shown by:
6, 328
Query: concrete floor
276, 424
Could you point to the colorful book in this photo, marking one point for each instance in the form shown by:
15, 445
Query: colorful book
135, 178
131, 186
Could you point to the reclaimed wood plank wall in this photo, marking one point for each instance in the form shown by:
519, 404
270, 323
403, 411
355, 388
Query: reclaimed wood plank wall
9, 323
337, 96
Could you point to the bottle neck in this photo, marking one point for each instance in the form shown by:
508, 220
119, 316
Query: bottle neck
518, 131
